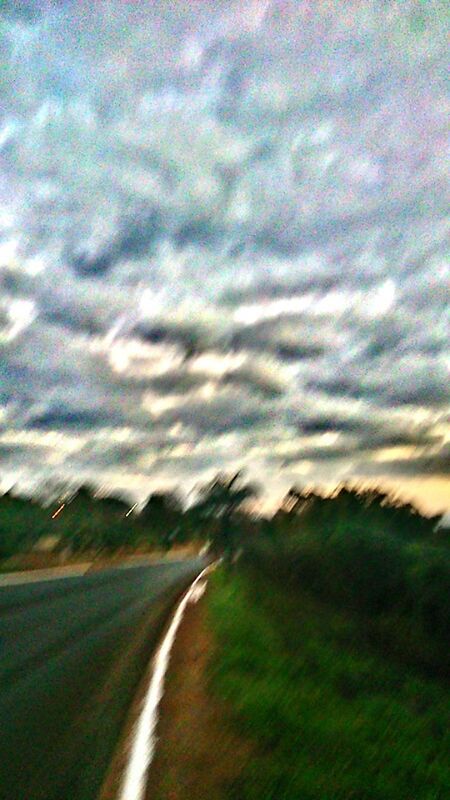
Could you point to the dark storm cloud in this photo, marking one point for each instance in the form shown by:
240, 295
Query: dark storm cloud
222, 219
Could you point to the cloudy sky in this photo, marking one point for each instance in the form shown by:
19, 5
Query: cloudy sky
223, 240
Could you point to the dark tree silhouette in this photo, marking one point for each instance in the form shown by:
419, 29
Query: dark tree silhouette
219, 506
162, 515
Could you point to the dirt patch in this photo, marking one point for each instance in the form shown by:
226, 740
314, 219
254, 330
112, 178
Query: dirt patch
198, 755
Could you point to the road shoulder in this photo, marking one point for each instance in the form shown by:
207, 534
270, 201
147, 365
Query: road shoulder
198, 754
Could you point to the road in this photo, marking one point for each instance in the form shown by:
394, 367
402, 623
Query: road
72, 652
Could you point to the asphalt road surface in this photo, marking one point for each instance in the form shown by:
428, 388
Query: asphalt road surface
72, 652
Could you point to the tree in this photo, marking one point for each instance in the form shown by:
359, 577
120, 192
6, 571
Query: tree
22, 522
219, 505
162, 517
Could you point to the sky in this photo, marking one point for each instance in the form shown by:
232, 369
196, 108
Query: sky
223, 244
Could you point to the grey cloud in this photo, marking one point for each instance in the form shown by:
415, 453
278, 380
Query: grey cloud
370, 433
430, 393
291, 338
65, 418
288, 243
386, 339
314, 425
408, 381
192, 338
342, 387
297, 352
437, 464
133, 240
256, 380
253, 378
108, 456
272, 287
7, 450
68, 317
385, 438
321, 454
200, 233
230, 411
433, 462
15, 283
176, 381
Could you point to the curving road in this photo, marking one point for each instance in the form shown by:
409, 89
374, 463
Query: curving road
72, 651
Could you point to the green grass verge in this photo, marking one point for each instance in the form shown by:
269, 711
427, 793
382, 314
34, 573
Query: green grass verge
330, 718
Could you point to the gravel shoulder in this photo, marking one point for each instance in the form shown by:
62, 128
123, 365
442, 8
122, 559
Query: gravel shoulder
198, 755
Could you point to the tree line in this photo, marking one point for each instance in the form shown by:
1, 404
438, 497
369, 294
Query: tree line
86, 521
223, 513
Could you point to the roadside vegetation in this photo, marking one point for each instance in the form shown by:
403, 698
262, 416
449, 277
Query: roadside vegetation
330, 716
82, 524
379, 561
333, 651
79, 523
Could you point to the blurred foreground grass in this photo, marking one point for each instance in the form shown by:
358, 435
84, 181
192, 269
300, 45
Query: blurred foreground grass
331, 718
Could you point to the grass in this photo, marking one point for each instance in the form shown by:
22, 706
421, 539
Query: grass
332, 720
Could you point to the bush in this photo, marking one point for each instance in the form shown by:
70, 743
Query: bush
369, 570
398, 586
428, 576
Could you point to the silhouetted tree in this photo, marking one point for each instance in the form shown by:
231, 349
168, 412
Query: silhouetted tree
162, 517
219, 504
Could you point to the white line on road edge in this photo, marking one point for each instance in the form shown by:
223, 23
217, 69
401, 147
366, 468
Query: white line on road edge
143, 744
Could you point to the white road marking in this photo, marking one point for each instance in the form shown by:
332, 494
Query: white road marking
143, 739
